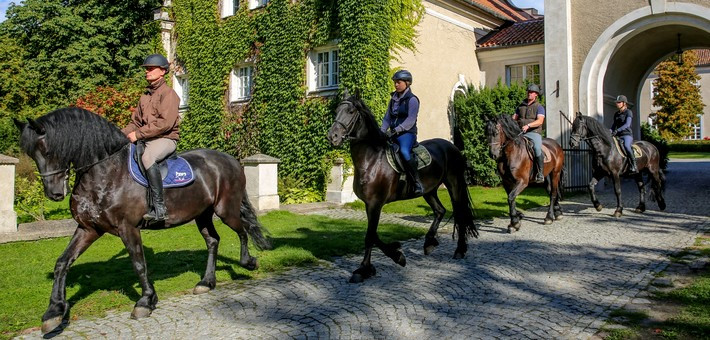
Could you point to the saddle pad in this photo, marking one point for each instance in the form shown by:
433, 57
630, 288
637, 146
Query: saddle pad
421, 153
634, 147
546, 153
179, 171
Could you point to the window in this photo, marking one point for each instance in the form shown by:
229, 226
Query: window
257, 3
697, 132
229, 7
240, 83
324, 69
521, 73
182, 87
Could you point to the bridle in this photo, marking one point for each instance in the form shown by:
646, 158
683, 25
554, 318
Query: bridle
575, 137
78, 170
351, 124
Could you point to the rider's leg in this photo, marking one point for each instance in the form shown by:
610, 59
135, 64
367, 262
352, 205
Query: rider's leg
539, 160
628, 140
156, 150
406, 142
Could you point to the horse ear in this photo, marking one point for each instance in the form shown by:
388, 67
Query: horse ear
20, 125
35, 126
357, 93
579, 114
346, 93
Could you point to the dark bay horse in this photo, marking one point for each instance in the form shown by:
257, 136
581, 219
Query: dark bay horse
608, 161
376, 182
508, 147
106, 200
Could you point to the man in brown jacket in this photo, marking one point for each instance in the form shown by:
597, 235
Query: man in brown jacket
155, 121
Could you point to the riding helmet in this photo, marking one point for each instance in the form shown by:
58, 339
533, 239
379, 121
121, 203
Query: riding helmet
621, 98
157, 60
403, 75
534, 88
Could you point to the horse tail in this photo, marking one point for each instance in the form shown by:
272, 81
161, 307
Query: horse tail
464, 214
252, 225
561, 184
468, 172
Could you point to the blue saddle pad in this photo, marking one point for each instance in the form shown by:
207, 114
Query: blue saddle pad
179, 171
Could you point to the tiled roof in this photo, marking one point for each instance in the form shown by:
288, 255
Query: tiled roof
503, 9
519, 33
703, 57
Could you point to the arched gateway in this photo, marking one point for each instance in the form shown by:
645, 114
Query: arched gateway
595, 51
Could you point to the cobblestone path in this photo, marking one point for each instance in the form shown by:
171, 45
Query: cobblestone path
556, 281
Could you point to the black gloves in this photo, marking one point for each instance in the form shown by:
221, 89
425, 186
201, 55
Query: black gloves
390, 134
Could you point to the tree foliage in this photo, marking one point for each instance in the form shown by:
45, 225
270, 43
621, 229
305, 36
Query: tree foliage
676, 93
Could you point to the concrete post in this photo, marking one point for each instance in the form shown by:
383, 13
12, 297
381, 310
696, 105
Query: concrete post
8, 216
340, 185
261, 172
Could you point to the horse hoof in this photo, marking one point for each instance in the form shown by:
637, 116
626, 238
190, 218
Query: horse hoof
639, 211
459, 255
51, 324
200, 289
402, 261
429, 249
356, 278
617, 214
548, 221
252, 264
558, 217
141, 312
598, 207
662, 206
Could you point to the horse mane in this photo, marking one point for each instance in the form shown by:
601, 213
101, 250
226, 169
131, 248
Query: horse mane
77, 136
510, 128
595, 128
368, 119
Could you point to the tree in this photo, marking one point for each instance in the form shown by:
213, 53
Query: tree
676, 93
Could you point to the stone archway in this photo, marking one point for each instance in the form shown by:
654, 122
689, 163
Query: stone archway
626, 52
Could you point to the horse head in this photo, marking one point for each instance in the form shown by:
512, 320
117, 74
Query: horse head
53, 170
347, 117
495, 137
579, 130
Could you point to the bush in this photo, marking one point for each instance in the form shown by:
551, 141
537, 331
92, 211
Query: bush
652, 136
690, 146
471, 112
29, 198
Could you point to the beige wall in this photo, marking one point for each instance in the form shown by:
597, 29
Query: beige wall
646, 107
446, 48
494, 61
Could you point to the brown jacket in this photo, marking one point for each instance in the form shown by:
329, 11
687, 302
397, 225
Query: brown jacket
156, 114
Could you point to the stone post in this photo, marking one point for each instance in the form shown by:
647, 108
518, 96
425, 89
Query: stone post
340, 186
8, 217
261, 172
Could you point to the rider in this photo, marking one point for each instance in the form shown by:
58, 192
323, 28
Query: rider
401, 122
155, 121
622, 129
530, 115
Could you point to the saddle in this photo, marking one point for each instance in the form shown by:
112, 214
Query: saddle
394, 158
175, 171
637, 150
547, 156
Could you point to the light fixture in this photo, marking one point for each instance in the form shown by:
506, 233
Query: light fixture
679, 53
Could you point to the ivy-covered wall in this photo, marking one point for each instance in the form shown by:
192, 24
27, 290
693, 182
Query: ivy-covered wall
281, 119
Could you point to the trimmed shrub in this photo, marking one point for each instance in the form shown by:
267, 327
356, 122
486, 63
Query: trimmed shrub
652, 136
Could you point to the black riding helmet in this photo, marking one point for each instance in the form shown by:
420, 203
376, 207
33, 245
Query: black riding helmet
403, 75
157, 60
534, 88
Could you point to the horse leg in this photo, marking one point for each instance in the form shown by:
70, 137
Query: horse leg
430, 242
642, 192
617, 190
82, 239
209, 233
235, 222
553, 184
131, 238
513, 212
596, 177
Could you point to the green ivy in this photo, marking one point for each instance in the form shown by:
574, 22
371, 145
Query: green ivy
281, 119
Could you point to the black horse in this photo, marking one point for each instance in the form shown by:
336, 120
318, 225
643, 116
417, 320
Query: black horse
508, 147
106, 200
376, 182
608, 161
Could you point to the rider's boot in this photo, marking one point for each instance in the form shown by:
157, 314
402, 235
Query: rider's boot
158, 212
414, 174
539, 176
632, 162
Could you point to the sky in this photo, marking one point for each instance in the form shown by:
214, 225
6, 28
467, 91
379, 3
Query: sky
538, 4
3, 8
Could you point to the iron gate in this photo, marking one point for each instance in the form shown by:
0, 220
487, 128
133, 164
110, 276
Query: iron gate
578, 162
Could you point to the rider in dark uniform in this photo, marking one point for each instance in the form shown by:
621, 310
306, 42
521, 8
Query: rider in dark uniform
530, 115
401, 122
622, 128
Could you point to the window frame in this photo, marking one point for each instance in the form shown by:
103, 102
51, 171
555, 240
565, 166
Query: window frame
181, 85
333, 64
236, 85
524, 70
229, 8
254, 4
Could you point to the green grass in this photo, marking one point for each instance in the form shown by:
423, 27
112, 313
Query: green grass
103, 278
487, 202
689, 155
694, 319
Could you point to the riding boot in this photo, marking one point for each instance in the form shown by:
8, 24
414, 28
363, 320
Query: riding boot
158, 212
539, 175
414, 174
632, 162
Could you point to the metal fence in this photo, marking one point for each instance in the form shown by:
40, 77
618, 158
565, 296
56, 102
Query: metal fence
578, 162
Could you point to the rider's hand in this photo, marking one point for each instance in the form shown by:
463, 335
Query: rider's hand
132, 137
526, 127
613, 133
389, 134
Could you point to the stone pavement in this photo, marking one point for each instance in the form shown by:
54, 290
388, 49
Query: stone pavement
556, 281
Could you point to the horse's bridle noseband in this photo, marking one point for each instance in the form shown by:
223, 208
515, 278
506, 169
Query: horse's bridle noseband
351, 124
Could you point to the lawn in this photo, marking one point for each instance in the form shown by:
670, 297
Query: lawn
689, 155
103, 278
487, 202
